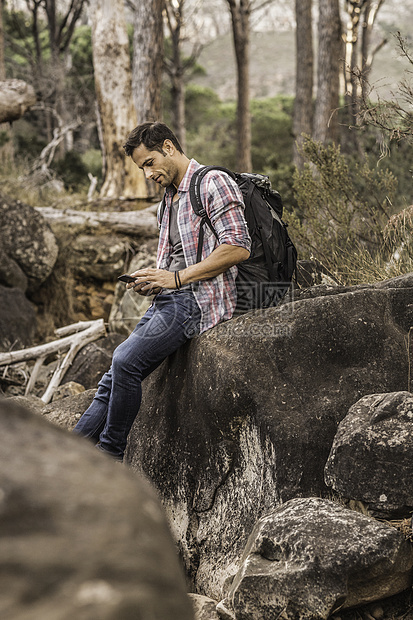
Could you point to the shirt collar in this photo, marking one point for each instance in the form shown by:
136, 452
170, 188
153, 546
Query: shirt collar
184, 184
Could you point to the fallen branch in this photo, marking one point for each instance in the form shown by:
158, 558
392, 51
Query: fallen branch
80, 334
129, 222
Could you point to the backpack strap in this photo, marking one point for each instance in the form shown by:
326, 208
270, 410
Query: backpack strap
196, 202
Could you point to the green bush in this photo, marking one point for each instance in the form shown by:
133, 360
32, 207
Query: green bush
72, 170
343, 209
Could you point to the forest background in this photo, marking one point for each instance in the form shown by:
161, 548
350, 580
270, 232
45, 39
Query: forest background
317, 95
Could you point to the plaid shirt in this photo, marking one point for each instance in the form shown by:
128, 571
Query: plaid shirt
223, 202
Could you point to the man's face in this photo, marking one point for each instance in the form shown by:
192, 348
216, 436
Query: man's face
159, 167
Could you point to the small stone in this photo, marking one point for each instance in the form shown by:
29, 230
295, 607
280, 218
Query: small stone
377, 612
67, 389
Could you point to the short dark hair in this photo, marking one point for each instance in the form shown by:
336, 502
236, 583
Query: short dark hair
152, 136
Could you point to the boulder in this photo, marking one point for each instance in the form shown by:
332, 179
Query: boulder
242, 418
92, 361
311, 557
16, 96
28, 241
81, 536
66, 412
371, 456
17, 319
101, 257
129, 307
204, 607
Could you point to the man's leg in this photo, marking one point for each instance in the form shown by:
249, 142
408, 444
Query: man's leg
93, 421
173, 321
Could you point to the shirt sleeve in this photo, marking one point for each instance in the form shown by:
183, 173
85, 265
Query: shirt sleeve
225, 208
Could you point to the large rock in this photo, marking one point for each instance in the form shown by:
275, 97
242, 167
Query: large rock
99, 256
28, 242
311, 557
67, 412
16, 96
92, 361
81, 536
128, 307
243, 418
371, 457
17, 319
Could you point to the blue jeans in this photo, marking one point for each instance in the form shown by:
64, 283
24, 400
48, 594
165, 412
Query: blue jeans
172, 319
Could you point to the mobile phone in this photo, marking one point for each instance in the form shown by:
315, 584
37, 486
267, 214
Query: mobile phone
125, 277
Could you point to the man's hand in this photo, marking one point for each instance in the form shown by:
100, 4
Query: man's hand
150, 281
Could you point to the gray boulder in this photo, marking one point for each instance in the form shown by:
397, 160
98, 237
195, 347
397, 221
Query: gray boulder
204, 607
92, 361
17, 319
81, 536
129, 307
66, 412
99, 256
243, 418
28, 242
371, 457
312, 557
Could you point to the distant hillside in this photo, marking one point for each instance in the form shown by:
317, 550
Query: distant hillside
273, 66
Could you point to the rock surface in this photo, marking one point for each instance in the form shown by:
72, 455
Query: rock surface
371, 457
204, 607
17, 319
66, 412
28, 242
92, 361
129, 307
312, 557
81, 536
243, 418
99, 256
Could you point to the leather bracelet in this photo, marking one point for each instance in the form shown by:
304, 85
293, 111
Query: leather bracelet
177, 280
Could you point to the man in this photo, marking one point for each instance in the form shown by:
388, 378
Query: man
190, 297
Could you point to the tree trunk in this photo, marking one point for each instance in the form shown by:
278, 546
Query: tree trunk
325, 126
175, 67
147, 66
240, 16
114, 95
6, 141
148, 59
303, 105
178, 104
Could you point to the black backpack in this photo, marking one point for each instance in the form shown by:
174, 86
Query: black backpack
265, 277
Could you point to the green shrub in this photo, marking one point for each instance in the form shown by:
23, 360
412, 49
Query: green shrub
72, 170
343, 209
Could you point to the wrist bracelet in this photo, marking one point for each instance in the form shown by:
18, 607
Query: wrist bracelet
178, 283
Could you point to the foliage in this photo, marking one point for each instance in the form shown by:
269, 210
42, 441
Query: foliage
343, 208
394, 117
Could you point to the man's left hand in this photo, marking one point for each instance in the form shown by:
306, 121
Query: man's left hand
150, 281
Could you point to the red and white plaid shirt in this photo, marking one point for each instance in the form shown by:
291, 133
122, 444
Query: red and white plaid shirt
222, 200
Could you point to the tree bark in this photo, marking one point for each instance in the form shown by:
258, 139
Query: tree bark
113, 84
240, 16
325, 126
175, 68
147, 66
135, 223
148, 59
6, 142
303, 105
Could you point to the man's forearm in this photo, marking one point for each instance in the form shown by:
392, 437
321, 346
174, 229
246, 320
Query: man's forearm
221, 259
